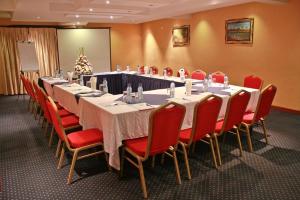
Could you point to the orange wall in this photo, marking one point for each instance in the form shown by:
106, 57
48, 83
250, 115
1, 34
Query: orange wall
274, 55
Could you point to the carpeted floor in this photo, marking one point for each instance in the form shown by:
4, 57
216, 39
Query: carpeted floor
28, 166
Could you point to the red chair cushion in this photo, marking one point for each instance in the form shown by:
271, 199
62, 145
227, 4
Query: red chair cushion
69, 121
63, 112
84, 138
185, 135
248, 117
137, 145
219, 125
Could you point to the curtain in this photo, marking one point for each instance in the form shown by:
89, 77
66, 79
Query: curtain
46, 48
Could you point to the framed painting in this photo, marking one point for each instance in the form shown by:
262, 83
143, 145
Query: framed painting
181, 36
239, 31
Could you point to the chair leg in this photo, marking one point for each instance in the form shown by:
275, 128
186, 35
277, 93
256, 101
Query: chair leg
142, 178
192, 150
51, 137
107, 160
186, 160
61, 159
162, 159
239, 141
153, 162
35, 108
46, 128
122, 159
178, 179
58, 148
74, 159
248, 138
213, 152
265, 130
218, 150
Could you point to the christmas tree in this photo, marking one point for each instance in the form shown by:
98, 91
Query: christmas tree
82, 65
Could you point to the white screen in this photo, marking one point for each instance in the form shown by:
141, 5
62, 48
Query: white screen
28, 58
96, 44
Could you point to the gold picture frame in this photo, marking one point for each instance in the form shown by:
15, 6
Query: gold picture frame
239, 31
181, 36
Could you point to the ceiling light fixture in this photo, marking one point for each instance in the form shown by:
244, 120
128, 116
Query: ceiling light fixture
38, 17
107, 2
77, 23
91, 9
77, 16
111, 17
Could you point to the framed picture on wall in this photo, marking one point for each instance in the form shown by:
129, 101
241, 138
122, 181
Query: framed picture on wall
181, 36
239, 31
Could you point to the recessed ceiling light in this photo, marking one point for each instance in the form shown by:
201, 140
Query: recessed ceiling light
77, 16
38, 17
91, 9
77, 23
111, 17
107, 2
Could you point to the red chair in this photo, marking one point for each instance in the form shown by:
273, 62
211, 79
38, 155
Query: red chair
154, 70
163, 133
169, 71
24, 81
235, 110
253, 82
30, 91
186, 73
75, 142
206, 114
198, 74
142, 70
218, 77
263, 109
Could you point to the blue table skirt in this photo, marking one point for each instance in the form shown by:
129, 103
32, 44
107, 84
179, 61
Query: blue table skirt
117, 83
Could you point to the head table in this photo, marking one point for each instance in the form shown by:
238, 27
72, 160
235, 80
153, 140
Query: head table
120, 121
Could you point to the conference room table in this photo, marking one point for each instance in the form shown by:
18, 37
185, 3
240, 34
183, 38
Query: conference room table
120, 121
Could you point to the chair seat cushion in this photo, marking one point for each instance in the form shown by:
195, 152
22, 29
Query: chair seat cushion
84, 138
63, 112
219, 125
69, 121
248, 117
185, 135
137, 145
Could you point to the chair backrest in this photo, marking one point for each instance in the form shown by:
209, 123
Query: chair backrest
164, 127
198, 74
36, 89
186, 73
154, 70
265, 102
236, 108
30, 89
218, 77
24, 83
253, 82
43, 99
56, 120
169, 71
206, 114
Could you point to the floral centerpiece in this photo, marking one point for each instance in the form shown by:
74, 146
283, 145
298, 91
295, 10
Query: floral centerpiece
82, 65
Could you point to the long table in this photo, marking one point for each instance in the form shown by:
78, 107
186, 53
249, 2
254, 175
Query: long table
120, 121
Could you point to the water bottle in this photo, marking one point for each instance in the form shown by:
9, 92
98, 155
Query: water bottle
138, 69
105, 87
118, 68
151, 72
226, 82
165, 74
128, 95
140, 92
61, 74
209, 80
81, 80
172, 90
205, 85
128, 68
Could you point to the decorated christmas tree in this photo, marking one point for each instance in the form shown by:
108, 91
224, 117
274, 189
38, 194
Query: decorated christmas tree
82, 65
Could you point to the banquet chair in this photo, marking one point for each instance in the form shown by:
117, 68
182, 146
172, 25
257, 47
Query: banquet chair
163, 133
29, 90
206, 113
186, 73
154, 70
263, 109
76, 142
235, 110
169, 71
253, 82
33, 97
24, 82
198, 74
218, 77
38, 99
69, 121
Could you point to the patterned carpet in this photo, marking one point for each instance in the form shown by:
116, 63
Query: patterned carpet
28, 166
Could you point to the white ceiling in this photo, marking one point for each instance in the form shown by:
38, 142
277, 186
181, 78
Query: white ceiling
117, 11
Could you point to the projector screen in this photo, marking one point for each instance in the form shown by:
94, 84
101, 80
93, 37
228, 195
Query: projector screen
96, 44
